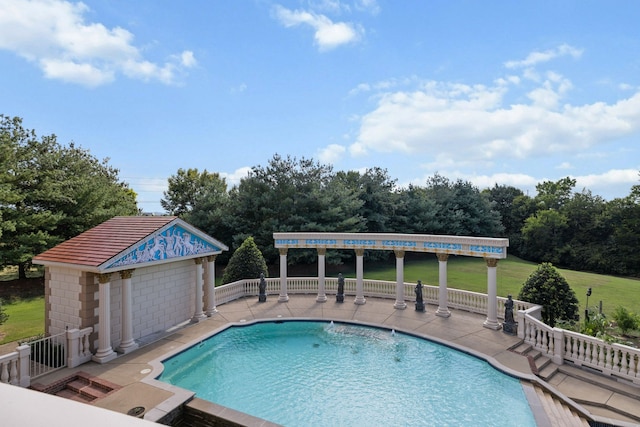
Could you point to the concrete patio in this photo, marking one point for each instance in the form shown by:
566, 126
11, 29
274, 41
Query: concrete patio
134, 371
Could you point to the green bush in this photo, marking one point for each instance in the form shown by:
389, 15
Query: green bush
625, 320
546, 287
3, 315
246, 262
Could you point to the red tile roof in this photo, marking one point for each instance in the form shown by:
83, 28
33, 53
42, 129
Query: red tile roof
101, 243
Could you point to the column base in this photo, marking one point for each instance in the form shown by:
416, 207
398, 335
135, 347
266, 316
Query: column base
359, 301
491, 324
283, 298
211, 312
198, 318
104, 356
443, 312
127, 348
321, 298
400, 305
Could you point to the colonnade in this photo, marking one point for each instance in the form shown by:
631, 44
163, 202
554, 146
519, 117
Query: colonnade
491, 321
205, 306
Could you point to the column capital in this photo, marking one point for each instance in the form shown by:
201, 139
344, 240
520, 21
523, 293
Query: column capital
322, 251
126, 274
197, 260
104, 277
211, 258
399, 253
491, 262
359, 252
283, 251
442, 256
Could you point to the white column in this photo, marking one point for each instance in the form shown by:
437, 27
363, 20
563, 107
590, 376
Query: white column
492, 295
400, 304
210, 285
443, 300
283, 276
198, 315
359, 278
105, 353
127, 344
322, 296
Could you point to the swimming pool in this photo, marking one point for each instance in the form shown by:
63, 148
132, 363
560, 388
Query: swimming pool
301, 373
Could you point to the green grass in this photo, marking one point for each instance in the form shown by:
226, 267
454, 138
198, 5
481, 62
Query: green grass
471, 274
26, 319
27, 316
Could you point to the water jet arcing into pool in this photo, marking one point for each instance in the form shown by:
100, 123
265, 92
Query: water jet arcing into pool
316, 373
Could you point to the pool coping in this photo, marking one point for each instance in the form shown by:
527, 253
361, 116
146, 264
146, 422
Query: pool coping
526, 380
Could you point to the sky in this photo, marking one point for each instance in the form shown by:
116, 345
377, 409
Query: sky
490, 92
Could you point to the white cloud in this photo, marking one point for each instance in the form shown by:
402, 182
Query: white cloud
331, 153
535, 58
328, 34
475, 123
234, 177
615, 176
54, 35
564, 166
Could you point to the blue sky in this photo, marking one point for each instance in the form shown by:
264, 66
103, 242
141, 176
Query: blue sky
507, 92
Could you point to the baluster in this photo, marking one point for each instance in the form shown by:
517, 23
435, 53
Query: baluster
616, 359
581, 350
601, 357
545, 341
13, 374
85, 345
4, 374
576, 347
624, 363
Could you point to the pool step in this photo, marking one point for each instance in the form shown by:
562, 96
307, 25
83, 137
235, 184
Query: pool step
561, 414
613, 399
80, 387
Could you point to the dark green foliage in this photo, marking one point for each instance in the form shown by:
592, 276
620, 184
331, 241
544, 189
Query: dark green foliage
3, 315
626, 320
461, 209
50, 193
546, 287
246, 262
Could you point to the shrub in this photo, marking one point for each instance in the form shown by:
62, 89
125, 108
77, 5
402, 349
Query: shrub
546, 287
3, 315
625, 320
246, 262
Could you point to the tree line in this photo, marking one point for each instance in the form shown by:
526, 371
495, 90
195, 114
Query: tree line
560, 225
51, 192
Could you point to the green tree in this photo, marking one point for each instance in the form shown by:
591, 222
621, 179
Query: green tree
554, 195
51, 193
546, 287
246, 262
588, 233
624, 216
291, 195
188, 188
514, 207
543, 236
461, 209
208, 205
415, 212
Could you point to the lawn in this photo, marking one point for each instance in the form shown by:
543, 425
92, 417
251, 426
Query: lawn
26, 316
26, 319
471, 274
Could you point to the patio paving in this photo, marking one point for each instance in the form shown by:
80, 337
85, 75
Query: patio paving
134, 372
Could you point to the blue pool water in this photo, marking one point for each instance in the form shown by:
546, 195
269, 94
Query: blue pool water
315, 373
